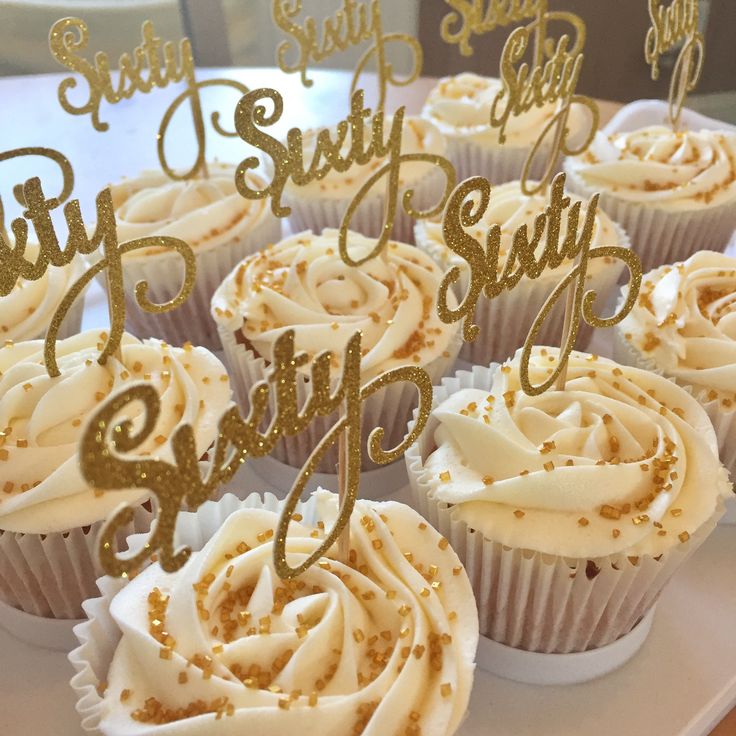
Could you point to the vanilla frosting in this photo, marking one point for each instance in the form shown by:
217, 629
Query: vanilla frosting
685, 323
683, 170
621, 461
43, 419
460, 107
417, 136
376, 646
511, 208
25, 313
302, 283
205, 213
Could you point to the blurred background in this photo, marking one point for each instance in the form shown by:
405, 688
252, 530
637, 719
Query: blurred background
240, 33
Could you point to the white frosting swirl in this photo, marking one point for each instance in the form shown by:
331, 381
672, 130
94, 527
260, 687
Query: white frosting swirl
26, 312
378, 646
685, 322
511, 208
622, 460
43, 419
205, 213
302, 283
417, 136
460, 107
683, 170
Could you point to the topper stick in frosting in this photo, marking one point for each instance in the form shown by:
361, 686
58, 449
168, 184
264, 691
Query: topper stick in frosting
677, 23
153, 64
105, 442
289, 160
353, 24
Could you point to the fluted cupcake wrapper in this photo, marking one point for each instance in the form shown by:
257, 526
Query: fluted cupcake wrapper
316, 214
390, 408
505, 321
540, 602
498, 164
50, 575
164, 273
99, 635
723, 418
663, 236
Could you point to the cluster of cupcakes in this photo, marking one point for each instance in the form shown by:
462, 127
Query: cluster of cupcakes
549, 524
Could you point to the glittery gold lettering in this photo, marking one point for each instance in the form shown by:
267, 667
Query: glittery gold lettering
466, 207
239, 439
352, 24
288, 160
153, 64
14, 264
547, 81
676, 23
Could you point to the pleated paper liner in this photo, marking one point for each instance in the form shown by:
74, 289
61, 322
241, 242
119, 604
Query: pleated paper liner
50, 575
498, 164
316, 214
722, 417
164, 273
663, 236
505, 321
390, 408
539, 602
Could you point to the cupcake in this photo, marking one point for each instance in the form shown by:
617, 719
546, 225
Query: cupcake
322, 202
381, 643
26, 312
49, 517
570, 510
674, 192
220, 226
505, 320
302, 284
460, 107
684, 327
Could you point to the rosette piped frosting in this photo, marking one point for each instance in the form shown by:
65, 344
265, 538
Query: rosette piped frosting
621, 460
302, 283
205, 213
42, 420
662, 168
381, 643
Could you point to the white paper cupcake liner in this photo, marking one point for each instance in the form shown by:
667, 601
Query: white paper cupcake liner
311, 213
539, 602
723, 418
498, 164
50, 575
390, 408
165, 272
662, 236
99, 635
505, 321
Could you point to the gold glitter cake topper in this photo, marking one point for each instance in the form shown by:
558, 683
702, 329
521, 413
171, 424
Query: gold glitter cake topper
478, 17
69, 36
14, 264
466, 207
677, 23
105, 442
288, 160
552, 78
352, 24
